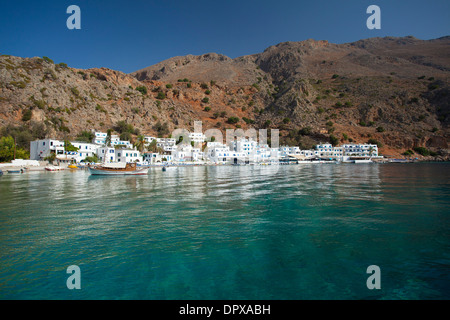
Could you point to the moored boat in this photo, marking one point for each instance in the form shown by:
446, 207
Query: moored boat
363, 161
117, 169
15, 171
53, 168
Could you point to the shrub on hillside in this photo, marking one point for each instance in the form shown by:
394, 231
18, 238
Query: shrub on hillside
233, 120
422, 151
142, 89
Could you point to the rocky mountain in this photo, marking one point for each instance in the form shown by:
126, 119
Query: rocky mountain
392, 91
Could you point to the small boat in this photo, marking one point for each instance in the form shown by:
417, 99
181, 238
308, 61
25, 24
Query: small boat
1, 172
363, 161
53, 168
15, 171
117, 169
309, 161
164, 169
72, 166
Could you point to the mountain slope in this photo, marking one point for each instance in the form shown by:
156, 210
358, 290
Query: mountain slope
390, 90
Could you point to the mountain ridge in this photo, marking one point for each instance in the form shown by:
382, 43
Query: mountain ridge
393, 90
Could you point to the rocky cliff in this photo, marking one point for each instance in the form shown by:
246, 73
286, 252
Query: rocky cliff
393, 91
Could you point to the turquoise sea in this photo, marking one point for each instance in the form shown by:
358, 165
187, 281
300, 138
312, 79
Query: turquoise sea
231, 232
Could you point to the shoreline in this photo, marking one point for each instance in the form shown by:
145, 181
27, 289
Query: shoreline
5, 166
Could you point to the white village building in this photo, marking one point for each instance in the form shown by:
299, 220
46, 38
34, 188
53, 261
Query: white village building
39, 149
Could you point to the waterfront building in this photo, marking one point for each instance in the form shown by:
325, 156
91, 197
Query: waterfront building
106, 154
308, 154
167, 144
84, 150
238, 151
197, 137
249, 151
294, 150
360, 150
328, 151
127, 155
185, 152
100, 139
39, 149
222, 154
154, 158
261, 154
214, 149
245, 146
111, 154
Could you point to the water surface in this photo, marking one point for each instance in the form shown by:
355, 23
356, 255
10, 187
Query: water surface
264, 232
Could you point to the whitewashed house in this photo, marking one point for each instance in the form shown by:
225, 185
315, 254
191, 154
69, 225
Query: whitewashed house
39, 149
219, 153
262, 154
115, 141
360, 150
154, 158
185, 152
84, 150
197, 137
100, 138
308, 154
246, 146
167, 144
128, 155
328, 151
106, 154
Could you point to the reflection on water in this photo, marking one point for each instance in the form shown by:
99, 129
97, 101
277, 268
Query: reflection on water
228, 232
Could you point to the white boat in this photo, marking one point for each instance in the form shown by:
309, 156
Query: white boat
310, 161
53, 168
363, 161
118, 169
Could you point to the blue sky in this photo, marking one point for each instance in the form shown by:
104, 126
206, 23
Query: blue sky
131, 35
